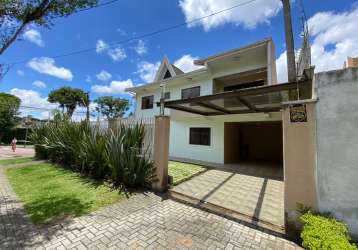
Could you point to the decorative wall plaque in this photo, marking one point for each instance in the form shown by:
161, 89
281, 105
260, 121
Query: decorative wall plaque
298, 113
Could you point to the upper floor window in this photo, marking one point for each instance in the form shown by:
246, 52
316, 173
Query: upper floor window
245, 85
190, 92
147, 102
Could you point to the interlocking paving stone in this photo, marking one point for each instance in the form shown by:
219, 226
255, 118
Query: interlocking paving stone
254, 196
145, 221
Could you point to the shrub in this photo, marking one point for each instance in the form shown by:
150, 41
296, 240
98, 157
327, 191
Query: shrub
112, 155
321, 232
126, 157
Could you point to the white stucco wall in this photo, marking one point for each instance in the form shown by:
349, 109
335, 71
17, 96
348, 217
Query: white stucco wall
206, 88
179, 141
179, 134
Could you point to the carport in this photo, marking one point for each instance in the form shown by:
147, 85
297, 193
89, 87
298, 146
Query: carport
247, 191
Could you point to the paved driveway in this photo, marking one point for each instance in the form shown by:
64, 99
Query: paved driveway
6, 152
145, 221
254, 190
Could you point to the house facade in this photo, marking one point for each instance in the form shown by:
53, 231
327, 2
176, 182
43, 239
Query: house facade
196, 137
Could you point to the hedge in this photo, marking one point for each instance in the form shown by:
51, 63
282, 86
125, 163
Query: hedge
320, 232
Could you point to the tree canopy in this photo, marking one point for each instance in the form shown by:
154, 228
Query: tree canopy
16, 15
69, 98
9, 107
112, 107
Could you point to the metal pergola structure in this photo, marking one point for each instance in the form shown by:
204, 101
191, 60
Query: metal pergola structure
251, 100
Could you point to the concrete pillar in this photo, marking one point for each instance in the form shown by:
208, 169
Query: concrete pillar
161, 152
299, 143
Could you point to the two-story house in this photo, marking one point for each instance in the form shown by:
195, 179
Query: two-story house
232, 136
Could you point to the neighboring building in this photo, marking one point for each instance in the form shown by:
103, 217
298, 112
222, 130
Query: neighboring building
352, 62
212, 139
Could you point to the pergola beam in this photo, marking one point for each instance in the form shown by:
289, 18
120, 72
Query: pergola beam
240, 93
246, 103
214, 107
185, 109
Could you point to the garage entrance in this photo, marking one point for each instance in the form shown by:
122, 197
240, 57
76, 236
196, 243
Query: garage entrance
253, 142
243, 189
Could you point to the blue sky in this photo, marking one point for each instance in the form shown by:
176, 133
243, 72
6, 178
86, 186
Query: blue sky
107, 71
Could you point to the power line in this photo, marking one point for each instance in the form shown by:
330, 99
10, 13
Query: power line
150, 34
38, 109
80, 10
96, 6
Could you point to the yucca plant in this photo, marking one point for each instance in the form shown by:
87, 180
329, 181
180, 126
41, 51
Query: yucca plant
37, 137
116, 155
93, 152
64, 143
129, 167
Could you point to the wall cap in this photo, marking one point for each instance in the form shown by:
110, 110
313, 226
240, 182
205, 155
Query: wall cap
162, 116
300, 101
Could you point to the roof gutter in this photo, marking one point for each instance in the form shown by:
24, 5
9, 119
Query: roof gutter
158, 83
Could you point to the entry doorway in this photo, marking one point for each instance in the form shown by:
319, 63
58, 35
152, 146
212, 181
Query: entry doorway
253, 142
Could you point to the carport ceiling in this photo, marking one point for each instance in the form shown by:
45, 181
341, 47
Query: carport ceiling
250, 100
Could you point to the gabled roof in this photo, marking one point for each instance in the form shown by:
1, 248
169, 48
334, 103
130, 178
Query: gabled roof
177, 70
164, 67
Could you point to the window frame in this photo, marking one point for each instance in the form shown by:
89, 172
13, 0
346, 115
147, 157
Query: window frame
200, 143
191, 88
149, 106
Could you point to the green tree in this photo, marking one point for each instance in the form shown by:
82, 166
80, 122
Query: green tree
112, 107
69, 98
16, 15
9, 107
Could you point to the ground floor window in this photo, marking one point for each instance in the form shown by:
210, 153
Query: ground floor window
200, 136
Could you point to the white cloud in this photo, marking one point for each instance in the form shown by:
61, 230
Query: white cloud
248, 15
20, 72
121, 32
46, 65
334, 36
281, 66
32, 98
39, 84
117, 54
147, 70
103, 75
186, 63
88, 78
141, 48
115, 87
101, 46
34, 36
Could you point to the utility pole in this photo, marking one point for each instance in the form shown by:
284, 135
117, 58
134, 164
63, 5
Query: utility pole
290, 47
87, 106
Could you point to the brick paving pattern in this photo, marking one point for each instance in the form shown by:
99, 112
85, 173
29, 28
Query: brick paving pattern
145, 221
254, 196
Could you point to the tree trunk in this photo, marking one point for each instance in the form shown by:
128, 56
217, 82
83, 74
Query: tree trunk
13, 38
38, 13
